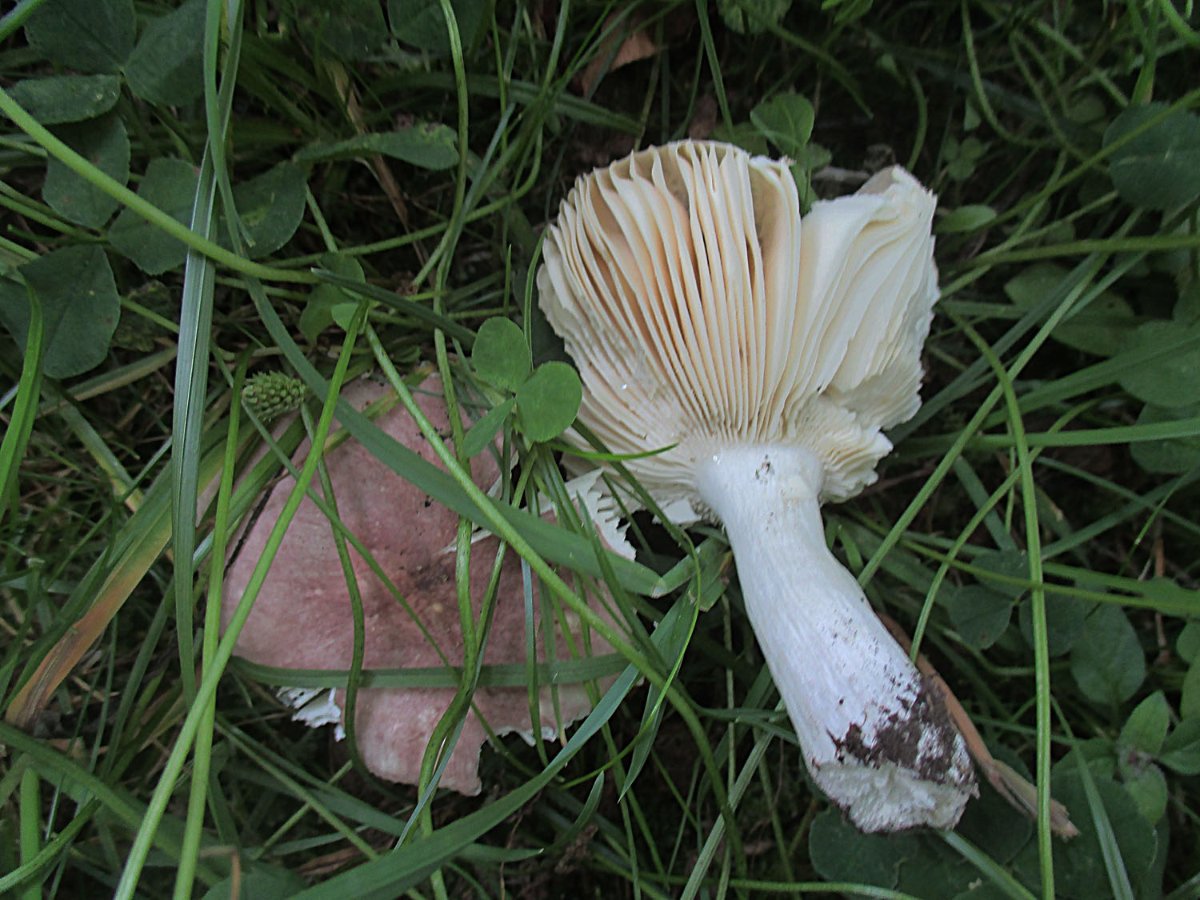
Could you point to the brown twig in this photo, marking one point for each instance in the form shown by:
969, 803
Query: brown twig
387, 181
1009, 783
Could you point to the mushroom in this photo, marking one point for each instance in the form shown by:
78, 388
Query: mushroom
762, 356
302, 617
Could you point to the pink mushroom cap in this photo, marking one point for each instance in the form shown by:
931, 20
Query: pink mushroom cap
302, 617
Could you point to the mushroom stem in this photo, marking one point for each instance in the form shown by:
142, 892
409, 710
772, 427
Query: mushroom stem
875, 734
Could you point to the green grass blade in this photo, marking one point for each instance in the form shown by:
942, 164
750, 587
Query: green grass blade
20, 426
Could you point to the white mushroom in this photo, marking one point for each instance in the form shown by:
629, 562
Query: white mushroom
766, 354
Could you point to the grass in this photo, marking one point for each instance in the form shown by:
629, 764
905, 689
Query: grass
1035, 529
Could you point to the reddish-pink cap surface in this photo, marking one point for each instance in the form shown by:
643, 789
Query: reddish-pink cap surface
302, 617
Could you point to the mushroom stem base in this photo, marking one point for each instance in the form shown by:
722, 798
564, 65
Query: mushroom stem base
875, 735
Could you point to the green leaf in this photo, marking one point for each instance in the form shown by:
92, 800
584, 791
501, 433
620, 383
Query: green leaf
1065, 620
349, 30
85, 35
1098, 754
744, 135
1187, 307
102, 142
1107, 662
1146, 728
1181, 749
1102, 327
80, 307
1149, 882
965, 219
979, 614
170, 184
1141, 739
1148, 788
1011, 565
752, 16
936, 872
1189, 701
428, 146
786, 120
318, 311
549, 401
1187, 645
810, 158
963, 158
1159, 380
420, 23
1160, 168
500, 355
343, 313
56, 99
484, 431
1079, 862
1168, 456
840, 852
271, 206
166, 66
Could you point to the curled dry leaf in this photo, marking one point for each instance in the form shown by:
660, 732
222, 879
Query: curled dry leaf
628, 44
1008, 782
302, 617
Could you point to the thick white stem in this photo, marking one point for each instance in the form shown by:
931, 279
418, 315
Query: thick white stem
875, 735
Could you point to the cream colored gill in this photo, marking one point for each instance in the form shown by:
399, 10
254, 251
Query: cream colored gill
649, 213
701, 309
629, 202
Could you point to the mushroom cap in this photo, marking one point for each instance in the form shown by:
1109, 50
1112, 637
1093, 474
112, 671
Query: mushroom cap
302, 616
702, 311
